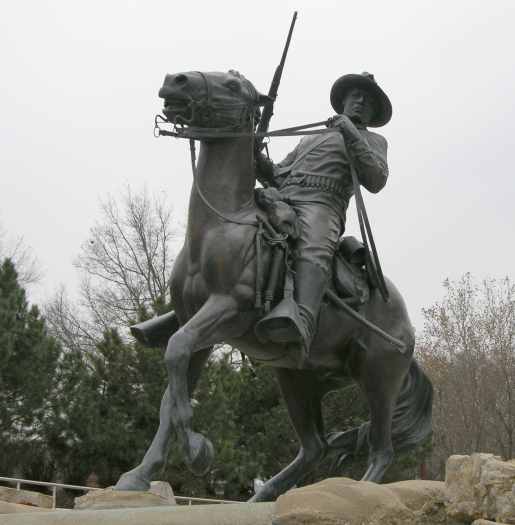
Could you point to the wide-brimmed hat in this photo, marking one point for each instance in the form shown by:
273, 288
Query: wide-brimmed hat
365, 81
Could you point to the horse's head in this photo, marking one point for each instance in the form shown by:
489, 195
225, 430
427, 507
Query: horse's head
210, 100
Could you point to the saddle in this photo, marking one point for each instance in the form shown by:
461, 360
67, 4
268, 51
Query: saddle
350, 279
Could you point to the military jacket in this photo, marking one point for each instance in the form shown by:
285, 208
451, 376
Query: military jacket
318, 169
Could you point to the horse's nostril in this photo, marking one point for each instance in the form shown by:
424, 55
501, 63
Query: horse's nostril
181, 79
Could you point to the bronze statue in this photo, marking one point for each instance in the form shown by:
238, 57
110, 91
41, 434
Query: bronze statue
315, 179
217, 280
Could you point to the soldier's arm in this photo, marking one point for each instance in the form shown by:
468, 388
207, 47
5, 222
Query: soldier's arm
370, 161
267, 171
369, 156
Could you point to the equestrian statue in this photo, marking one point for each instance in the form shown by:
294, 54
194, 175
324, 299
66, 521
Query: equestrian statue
267, 271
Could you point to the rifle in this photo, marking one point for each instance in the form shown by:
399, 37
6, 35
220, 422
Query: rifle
268, 108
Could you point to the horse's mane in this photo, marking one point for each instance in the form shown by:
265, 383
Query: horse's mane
237, 74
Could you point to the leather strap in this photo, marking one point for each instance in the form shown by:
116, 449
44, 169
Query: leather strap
366, 231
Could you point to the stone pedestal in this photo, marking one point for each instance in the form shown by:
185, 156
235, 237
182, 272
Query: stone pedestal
218, 514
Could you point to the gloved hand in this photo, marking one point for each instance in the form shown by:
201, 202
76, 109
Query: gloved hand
265, 170
267, 196
264, 165
346, 126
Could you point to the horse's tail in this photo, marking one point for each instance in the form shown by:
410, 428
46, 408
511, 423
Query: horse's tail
411, 422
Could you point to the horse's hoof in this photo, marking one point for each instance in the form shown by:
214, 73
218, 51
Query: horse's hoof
261, 496
132, 481
201, 454
378, 465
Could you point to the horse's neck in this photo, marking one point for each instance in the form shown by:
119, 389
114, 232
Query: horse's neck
225, 176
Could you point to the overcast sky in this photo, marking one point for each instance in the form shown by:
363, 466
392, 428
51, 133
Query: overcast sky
79, 92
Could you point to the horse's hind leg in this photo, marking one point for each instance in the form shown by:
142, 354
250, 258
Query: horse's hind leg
140, 477
302, 396
381, 379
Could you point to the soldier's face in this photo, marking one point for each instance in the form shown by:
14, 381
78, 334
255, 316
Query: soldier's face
358, 105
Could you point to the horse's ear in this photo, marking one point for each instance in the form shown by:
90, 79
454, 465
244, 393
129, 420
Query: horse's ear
264, 99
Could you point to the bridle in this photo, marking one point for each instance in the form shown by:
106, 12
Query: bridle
205, 111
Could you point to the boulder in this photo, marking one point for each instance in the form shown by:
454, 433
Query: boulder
480, 486
120, 499
164, 490
25, 497
343, 501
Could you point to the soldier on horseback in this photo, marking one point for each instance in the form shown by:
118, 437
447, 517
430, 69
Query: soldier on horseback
217, 273
315, 179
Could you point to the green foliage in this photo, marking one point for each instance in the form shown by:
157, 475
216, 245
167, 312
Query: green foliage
28, 358
68, 413
106, 410
240, 410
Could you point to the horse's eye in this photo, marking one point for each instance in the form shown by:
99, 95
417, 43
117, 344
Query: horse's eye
233, 86
181, 79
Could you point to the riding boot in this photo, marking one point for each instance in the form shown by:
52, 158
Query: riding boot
295, 321
310, 285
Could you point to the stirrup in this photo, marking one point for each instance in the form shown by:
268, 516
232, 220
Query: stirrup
282, 325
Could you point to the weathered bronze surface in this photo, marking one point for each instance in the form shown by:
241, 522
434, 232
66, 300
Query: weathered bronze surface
214, 281
316, 180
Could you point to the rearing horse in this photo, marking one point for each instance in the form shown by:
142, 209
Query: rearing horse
213, 291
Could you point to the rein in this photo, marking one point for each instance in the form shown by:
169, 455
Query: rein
227, 133
218, 213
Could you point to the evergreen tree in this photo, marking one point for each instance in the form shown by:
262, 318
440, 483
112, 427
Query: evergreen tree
28, 359
107, 409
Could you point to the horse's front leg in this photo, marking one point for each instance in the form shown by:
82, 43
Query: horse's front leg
208, 326
139, 478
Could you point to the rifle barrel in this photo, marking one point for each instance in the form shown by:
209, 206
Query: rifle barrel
268, 109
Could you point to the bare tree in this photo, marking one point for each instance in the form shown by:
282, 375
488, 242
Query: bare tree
127, 260
27, 265
125, 266
468, 349
71, 325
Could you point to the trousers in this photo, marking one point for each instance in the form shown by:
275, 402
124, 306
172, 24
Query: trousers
321, 227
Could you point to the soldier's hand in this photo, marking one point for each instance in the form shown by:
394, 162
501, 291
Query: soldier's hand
265, 169
264, 164
344, 122
346, 126
267, 196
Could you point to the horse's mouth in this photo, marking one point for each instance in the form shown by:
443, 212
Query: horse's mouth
175, 112
176, 108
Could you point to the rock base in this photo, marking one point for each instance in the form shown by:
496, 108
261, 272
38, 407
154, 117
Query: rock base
480, 486
219, 514
339, 501
118, 499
